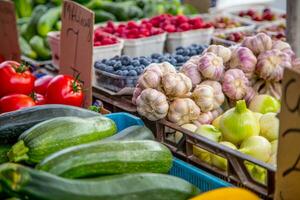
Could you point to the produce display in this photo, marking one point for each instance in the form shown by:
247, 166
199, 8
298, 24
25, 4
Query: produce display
56, 144
222, 78
266, 15
223, 22
21, 89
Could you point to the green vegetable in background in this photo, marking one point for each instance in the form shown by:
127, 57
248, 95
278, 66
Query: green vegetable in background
30, 30
102, 16
58, 25
37, 44
48, 20
26, 48
23, 7
40, 1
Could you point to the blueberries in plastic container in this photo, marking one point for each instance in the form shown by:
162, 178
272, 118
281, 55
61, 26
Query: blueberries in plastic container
109, 69
136, 62
132, 73
155, 56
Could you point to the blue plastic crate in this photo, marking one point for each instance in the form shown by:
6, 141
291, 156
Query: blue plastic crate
203, 180
124, 120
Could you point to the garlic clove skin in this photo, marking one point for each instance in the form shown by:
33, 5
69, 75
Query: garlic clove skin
243, 58
211, 66
203, 95
221, 51
271, 88
150, 79
183, 111
271, 64
176, 84
208, 117
219, 96
152, 104
190, 69
259, 43
284, 47
136, 93
235, 84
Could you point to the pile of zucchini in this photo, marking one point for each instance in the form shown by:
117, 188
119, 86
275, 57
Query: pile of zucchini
66, 152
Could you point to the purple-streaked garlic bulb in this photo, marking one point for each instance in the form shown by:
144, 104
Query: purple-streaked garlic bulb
190, 69
235, 84
218, 93
258, 43
268, 87
221, 51
208, 117
243, 58
152, 104
167, 68
211, 66
183, 111
150, 79
136, 93
249, 95
203, 96
284, 47
271, 64
176, 84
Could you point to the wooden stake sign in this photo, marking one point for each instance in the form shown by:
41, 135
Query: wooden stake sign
9, 44
76, 45
288, 159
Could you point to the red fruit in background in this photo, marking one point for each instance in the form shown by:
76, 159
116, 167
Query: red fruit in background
64, 89
182, 19
268, 16
38, 99
15, 79
250, 12
267, 10
242, 13
41, 84
15, 102
170, 28
257, 18
185, 26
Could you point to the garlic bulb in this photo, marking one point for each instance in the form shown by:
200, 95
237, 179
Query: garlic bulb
250, 94
208, 117
136, 93
258, 43
183, 110
268, 87
243, 58
211, 66
219, 97
167, 68
235, 84
221, 51
203, 95
271, 64
176, 84
150, 79
190, 69
152, 104
284, 47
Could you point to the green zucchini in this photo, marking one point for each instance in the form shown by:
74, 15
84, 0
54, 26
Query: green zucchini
23, 181
26, 49
112, 157
12, 124
37, 44
58, 133
48, 20
3, 153
136, 132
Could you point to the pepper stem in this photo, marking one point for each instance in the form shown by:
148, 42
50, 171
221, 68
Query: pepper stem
241, 106
18, 152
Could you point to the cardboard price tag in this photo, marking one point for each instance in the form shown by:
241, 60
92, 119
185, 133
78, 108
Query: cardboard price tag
76, 45
288, 158
9, 44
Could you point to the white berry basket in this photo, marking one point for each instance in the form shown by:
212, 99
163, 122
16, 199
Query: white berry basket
187, 38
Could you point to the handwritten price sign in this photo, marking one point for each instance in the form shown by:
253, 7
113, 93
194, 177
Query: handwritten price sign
9, 45
288, 164
76, 45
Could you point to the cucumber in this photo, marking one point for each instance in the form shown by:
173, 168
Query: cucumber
48, 20
110, 157
26, 48
24, 7
136, 132
23, 181
37, 44
12, 124
3, 153
31, 26
55, 134
103, 16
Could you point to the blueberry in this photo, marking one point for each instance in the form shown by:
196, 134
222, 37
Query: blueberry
193, 52
179, 58
98, 65
124, 72
109, 68
194, 45
180, 51
132, 73
130, 67
142, 66
119, 72
155, 55
155, 61
186, 58
135, 63
179, 48
111, 62
104, 60
116, 57
117, 65
162, 59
